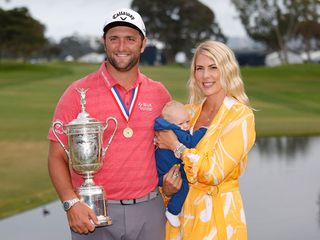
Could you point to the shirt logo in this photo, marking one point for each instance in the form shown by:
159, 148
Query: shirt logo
145, 106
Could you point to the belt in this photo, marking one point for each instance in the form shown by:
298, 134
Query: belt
151, 195
214, 192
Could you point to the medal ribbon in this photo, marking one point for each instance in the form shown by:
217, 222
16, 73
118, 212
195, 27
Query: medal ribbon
123, 109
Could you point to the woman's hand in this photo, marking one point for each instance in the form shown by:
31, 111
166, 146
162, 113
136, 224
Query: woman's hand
166, 139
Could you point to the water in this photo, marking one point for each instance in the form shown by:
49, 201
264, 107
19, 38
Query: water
280, 190
48, 222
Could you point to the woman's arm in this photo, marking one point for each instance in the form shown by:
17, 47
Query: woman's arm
219, 156
212, 163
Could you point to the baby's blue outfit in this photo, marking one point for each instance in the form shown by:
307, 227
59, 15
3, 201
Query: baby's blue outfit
165, 159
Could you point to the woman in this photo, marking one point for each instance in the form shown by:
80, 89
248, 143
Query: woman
213, 208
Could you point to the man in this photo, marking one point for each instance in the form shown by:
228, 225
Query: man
128, 174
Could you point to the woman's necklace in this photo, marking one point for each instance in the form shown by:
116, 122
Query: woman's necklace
209, 116
209, 110
205, 118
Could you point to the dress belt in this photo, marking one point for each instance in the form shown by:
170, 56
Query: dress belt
151, 195
214, 191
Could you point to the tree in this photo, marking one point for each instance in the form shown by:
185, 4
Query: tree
179, 24
20, 34
75, 45
274, 22
308, 28
51, 50
309, 31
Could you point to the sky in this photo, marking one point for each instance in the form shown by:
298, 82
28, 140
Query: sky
86, 17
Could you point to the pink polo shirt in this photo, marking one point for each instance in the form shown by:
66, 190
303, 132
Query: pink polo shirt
129, 169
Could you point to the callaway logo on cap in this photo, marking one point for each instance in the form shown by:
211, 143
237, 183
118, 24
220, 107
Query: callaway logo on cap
125, 17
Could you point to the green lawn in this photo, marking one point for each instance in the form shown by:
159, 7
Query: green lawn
286, 100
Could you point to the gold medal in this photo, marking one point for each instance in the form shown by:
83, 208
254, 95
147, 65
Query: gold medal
127, 132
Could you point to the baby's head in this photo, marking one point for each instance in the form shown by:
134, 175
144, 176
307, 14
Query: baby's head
176, 113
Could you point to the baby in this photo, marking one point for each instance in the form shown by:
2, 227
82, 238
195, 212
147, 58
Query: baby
175, 117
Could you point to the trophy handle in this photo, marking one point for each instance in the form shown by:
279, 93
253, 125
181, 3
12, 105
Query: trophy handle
112, 135
55, 134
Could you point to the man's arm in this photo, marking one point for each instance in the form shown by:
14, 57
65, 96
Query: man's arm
80, 216
172, 181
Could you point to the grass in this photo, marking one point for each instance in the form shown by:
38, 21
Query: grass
286, 98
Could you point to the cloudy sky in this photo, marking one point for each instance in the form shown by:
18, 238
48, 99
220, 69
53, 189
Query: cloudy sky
86, 17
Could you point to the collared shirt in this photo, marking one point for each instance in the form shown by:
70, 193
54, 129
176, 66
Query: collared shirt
129, 169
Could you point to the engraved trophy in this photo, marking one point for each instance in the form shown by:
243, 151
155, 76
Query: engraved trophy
85, 140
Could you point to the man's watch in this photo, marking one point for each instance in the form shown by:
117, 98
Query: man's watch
69, 203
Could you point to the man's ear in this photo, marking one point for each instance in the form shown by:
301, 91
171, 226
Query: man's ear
102, 41
144, 44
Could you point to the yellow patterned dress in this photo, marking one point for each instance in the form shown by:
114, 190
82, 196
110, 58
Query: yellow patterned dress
213, 209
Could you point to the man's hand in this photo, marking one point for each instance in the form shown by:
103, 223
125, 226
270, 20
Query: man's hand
81, 218
172, 181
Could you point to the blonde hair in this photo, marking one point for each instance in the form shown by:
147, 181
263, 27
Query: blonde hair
227, 64
170, 107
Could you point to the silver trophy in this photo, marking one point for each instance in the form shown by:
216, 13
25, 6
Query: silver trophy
85, 140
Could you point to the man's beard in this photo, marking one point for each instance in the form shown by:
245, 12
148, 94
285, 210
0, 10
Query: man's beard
126, 68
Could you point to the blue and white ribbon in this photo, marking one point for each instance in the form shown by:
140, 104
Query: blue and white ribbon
123, 109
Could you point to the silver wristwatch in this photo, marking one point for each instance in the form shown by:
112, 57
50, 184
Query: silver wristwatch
179, 150
69, 203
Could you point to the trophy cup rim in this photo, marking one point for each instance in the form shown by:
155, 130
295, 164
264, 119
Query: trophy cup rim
84, 122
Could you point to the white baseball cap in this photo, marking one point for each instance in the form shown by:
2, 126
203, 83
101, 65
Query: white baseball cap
125, 17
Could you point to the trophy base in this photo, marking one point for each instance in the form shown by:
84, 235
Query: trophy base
94, 197
104, 221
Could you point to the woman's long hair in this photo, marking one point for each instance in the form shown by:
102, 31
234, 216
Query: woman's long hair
227, 64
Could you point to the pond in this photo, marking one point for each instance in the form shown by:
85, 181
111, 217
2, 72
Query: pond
280, 190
